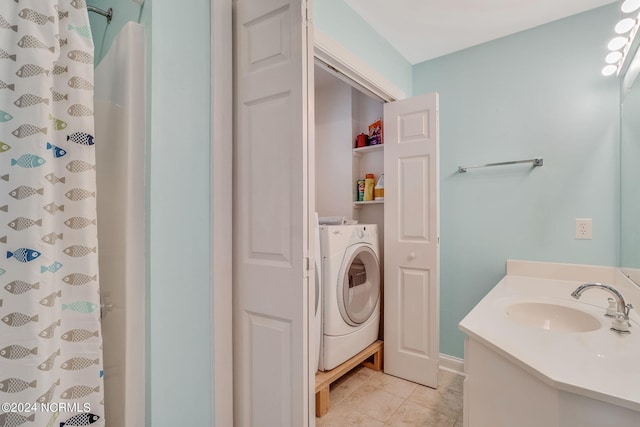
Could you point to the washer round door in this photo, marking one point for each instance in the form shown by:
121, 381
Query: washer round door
358, 284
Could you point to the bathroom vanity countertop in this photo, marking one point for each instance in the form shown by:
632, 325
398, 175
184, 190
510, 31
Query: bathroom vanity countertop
601, 364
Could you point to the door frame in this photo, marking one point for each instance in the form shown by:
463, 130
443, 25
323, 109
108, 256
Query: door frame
221, 212
352, 69
348, 66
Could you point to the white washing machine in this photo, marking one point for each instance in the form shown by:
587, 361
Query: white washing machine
351, 291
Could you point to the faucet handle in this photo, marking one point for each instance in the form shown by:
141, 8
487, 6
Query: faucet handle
627, 309
612, 309
620, 324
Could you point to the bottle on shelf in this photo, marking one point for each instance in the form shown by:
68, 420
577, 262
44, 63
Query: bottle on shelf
378, 190
360, 190
362, 140
369, 184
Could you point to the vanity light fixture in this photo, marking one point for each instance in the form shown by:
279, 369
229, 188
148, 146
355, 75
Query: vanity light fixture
630, 6
613, 57
625, 25
619, 46
609, 70
617, 43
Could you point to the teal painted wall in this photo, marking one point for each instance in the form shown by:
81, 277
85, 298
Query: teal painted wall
179, 222
342, 24
103, 33
178, 306
538, 93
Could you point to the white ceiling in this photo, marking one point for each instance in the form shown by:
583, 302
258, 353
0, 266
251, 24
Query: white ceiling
425, 29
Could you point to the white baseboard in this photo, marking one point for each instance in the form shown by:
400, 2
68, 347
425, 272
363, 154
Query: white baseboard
452, 364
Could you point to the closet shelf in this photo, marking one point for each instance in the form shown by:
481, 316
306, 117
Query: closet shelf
368, 149
368, 202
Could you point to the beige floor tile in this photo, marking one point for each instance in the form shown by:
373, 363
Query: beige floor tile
413, 415
348, 384
396, 386
443, 400
364, 397
360, 372
340, 392
346, 416
364, 372
450, 380
373, 401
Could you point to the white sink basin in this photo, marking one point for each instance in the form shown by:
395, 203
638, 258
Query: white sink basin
552, 317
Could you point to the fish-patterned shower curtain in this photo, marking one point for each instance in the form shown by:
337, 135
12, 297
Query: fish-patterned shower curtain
50, 336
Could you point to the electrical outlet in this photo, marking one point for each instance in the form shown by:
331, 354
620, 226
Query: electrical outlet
584, 229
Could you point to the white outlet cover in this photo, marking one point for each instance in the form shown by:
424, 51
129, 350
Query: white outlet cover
584, 229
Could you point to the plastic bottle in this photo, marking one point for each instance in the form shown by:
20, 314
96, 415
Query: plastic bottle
369, 183
360, 189
378, 190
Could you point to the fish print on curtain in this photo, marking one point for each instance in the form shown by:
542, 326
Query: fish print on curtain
50, 336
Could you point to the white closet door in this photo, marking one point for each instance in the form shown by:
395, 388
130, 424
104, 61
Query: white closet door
411, 217
270, 232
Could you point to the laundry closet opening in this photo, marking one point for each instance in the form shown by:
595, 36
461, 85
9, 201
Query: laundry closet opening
350, 311
402, 227
344, 110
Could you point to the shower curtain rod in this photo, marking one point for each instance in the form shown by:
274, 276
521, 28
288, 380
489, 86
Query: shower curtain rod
106, 13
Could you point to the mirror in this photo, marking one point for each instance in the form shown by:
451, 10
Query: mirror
630, 171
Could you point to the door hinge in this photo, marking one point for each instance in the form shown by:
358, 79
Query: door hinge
306, 266
307, 14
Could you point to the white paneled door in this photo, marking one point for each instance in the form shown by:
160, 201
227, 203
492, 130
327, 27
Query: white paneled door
411, 239
270, 232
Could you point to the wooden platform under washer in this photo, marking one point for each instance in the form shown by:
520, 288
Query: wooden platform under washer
325, 379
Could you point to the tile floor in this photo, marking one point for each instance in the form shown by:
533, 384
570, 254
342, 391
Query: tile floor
368, 398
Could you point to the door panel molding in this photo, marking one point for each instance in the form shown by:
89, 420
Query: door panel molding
412, 261
270, 214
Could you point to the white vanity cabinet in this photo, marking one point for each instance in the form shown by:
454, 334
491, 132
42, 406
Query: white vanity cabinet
551, 368
499, 393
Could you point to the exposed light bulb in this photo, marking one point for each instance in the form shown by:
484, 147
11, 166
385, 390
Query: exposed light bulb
625, 25
630, 6
617, 43
613, 57
609, 70
620, 45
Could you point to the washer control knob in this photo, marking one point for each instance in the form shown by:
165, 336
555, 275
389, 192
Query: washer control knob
360, 234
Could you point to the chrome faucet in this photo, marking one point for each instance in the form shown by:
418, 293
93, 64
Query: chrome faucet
621, 321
